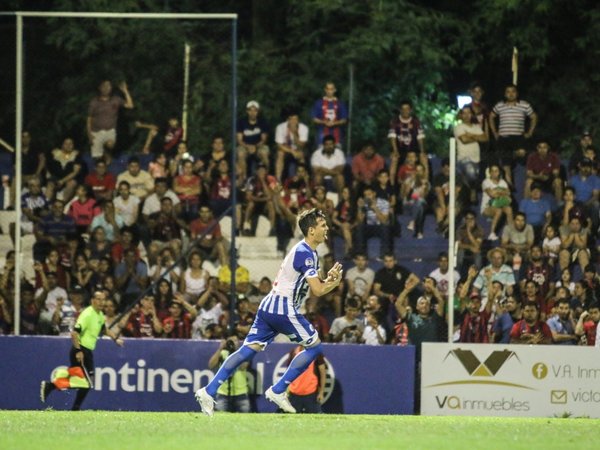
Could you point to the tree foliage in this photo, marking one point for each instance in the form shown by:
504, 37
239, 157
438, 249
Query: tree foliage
423, 51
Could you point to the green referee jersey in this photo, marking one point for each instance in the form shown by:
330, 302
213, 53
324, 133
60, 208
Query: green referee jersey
90, 324
237, 384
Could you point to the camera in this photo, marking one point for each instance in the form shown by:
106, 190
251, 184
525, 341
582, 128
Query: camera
230, 345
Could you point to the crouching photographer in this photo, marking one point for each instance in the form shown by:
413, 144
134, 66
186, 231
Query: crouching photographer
232, 396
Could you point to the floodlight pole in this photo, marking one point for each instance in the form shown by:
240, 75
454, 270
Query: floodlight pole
186, 84
18, 175
451, 230
232, 249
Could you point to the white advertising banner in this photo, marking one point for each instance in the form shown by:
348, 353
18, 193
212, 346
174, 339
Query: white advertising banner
510, 380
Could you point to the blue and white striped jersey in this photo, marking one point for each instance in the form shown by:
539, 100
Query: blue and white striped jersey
290, 288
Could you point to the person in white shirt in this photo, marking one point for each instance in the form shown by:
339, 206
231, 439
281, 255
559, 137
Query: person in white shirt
441, 275
328, 163
291, 137
469, 135
152, 202
126, 204
374, 333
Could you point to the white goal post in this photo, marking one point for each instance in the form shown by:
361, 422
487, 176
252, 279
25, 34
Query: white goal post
20, 15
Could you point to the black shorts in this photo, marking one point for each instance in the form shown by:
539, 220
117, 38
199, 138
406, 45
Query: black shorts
507, 146
88, 360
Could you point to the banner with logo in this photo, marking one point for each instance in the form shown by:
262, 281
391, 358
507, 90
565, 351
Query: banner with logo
162, 375
510, 380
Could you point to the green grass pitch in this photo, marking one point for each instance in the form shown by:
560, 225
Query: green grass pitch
91, 430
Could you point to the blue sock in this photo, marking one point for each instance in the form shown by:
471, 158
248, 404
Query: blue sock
228, 367
298, 365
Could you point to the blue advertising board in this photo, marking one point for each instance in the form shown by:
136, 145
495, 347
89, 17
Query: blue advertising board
162, 375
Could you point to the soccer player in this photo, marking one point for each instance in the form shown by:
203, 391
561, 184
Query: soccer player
278, 313
89, 327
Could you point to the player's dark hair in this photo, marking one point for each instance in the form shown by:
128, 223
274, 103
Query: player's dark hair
308, 219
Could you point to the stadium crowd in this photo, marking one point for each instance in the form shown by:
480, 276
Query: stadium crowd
526, 249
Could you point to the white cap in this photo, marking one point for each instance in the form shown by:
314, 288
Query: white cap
252, 104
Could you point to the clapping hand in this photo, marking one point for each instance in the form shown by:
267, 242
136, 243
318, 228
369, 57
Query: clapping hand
335, 273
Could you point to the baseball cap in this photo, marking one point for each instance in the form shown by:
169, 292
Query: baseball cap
586, 133
77, 289
252, 104
586, 162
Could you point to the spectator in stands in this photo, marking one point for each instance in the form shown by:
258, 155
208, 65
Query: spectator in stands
242, 279
530, 330
182, 154
243, 318
343, 219
374, 333
441, 189
81, 273
33, 161
163, 297
511, 137
126, 204
30, 310
101, 181
164, 261
505, 321
195, 279
571, 207
562, 325
252, 137
258, 191
474, 328
178, 324
320, 201
165, 228
374, 219
291, 137
330, 116
366, 165
543, 168
83, 209
188, 188
173, 135
587, 191
66, 312
48, 297
537, 211
441, 275
221, 190
131, 275
497, 270
391, 279
52, 230
413, 192
585, 142
495, 200
551, 245
538, 271
103, 113
109, 221
6, 316
425, 323
34, 205
405, 134
212, 306
66, 169
51, 263
161, 190
207, 166
517, 239
158, 167
141, 183
212, 244
583, 296
470, 238
348, 328
469, 133
478, 107
587, 325
298, 186
143, 320
360, 278
574, 243
317, 320
328, 163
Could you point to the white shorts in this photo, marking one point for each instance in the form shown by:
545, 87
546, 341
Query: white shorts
101, 137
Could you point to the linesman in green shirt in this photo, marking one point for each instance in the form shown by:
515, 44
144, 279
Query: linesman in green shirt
89, 327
